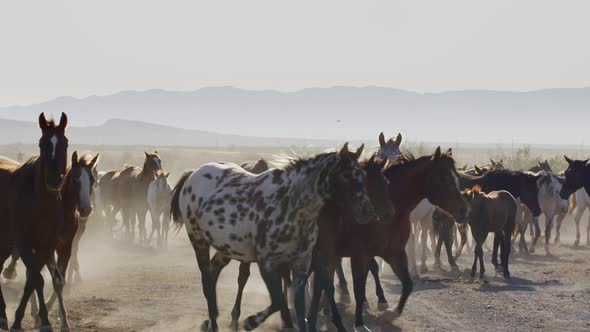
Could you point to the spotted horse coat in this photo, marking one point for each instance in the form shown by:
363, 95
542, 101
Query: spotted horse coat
269, 218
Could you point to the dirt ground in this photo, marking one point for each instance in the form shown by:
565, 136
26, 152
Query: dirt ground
130, 288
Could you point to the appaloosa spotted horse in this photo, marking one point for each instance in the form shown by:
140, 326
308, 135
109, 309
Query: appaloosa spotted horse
269, 218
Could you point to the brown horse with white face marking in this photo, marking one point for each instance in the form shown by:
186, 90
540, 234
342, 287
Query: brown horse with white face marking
410, 181
31, 213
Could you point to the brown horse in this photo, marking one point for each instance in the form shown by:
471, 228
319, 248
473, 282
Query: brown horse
32, 213
411, 180
494, 212
132, 188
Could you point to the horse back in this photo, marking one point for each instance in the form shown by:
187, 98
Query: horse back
500, 210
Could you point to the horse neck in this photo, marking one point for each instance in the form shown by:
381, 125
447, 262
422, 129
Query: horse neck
68, 194
39, 180
407, 188
310, 181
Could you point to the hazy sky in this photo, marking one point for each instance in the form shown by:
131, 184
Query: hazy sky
81, 48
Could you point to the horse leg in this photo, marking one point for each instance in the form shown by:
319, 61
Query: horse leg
201, 248
57, 271
463, 232
577, 219
74, 269
476, 250
10, 271
506, 248
548, 226
522, 245
588, 232
141, 216
155, 225
272, 279
439, 243
560, 219
374, 269
359, 265
537, 233
314, 306
3, 317
243, 277
342, 283
449, 248
424, 239
495, 251
399, 265
411, 249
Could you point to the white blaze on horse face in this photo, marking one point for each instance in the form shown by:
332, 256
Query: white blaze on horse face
85, 199
53, 141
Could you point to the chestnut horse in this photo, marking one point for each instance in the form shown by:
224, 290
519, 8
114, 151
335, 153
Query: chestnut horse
130, 188
32, 213
410, 180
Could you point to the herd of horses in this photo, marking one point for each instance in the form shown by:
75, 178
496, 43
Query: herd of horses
295, 217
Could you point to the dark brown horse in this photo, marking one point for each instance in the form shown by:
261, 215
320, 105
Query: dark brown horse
32, 213
132, 188
76, 193
577, 175
494, 212
411, 180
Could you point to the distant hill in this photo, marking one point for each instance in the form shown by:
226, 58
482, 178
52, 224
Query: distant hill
126, 132
558, 116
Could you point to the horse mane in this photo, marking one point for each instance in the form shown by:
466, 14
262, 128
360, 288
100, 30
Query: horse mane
294, 160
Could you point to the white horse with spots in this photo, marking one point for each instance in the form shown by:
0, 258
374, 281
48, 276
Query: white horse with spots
269, 218
158, 197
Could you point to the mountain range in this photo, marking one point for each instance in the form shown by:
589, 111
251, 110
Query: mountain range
226, 115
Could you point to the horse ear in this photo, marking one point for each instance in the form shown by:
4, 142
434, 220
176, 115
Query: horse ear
94, 161
42, 121
359, 151
344, 148
155, 151
381, 140
75, 158
586, 161
398, 139
492, 162
539, 163
569, 161
147, 155
63, 121
449, 152
436, 154
477, 170
372, 159
166, 174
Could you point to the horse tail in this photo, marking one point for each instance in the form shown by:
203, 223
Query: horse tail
174, 204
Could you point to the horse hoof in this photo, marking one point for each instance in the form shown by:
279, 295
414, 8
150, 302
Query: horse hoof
532, 250
233, 325
3, 324
423, 269
507, 276
9, 274
382, 306
250, 323
576, 243
389, 315
46, 328
206, 327
361, 328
